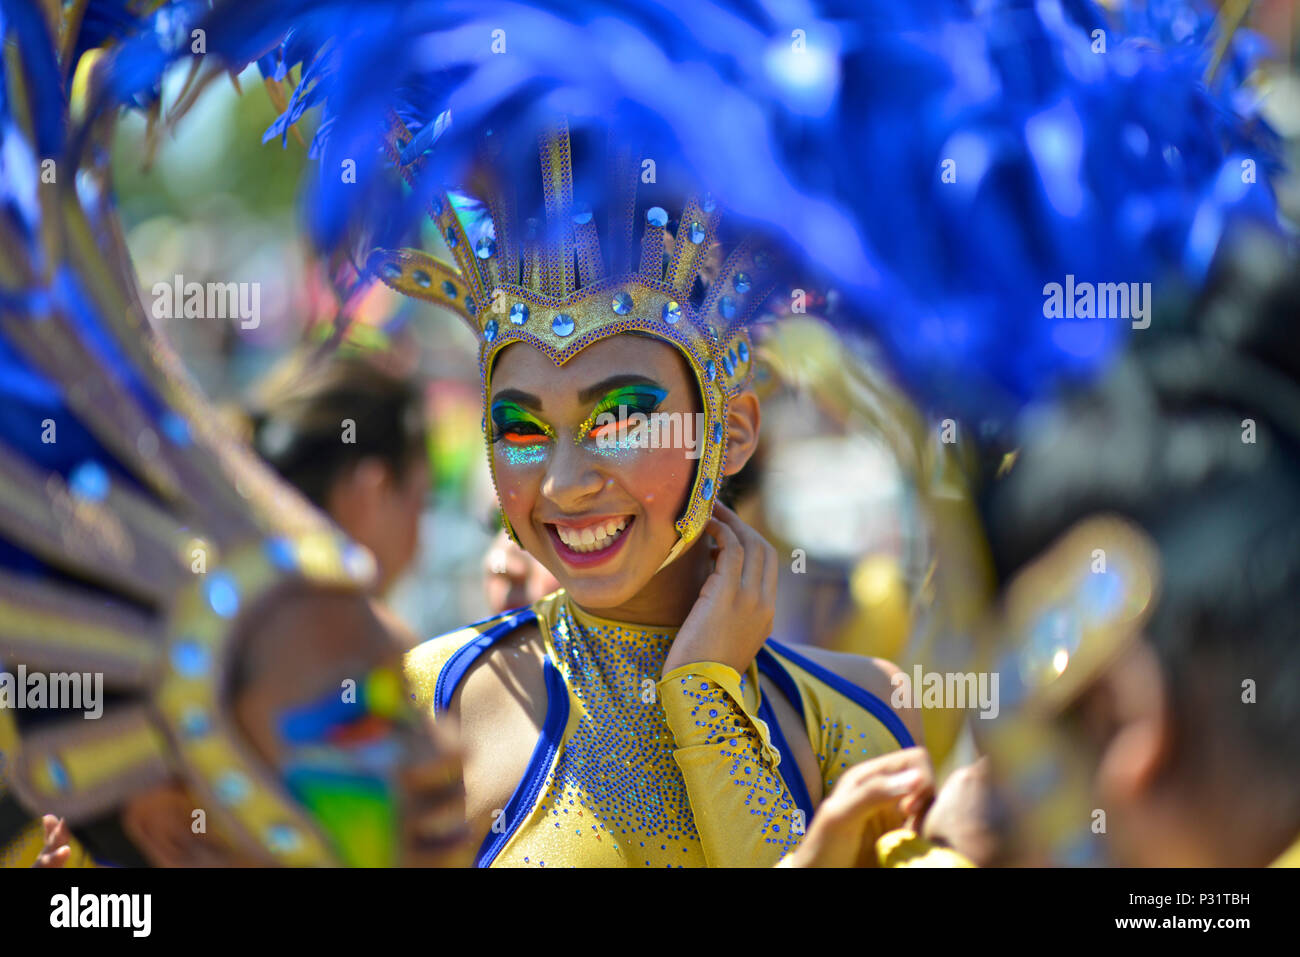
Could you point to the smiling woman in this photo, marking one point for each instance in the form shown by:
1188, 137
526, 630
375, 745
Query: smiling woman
641, 715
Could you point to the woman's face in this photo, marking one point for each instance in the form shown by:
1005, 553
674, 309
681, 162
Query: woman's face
591, 499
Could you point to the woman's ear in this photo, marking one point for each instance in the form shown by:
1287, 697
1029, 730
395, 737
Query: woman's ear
1141, 743
742, 429
166, 827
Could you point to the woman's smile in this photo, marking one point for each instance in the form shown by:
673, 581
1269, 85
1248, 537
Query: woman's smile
583, 542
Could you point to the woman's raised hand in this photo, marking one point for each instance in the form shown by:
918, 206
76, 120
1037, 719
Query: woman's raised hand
869, 799
733, 615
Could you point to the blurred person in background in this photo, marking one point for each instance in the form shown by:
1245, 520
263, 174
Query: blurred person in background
512, 578
351, 436
1155, 524
1151, 667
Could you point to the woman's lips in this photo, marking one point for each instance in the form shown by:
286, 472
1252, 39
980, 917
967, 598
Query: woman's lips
599, 555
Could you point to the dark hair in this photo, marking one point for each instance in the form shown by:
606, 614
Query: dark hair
1165, 440
298, 426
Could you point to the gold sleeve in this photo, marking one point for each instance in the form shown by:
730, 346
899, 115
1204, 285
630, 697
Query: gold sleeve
744, 813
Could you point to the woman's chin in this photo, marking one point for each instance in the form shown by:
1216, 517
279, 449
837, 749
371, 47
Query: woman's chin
595, 595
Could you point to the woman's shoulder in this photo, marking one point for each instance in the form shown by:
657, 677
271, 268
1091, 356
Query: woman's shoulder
440, 667
867, 682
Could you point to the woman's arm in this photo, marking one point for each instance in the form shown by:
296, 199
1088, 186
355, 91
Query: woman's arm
744, 813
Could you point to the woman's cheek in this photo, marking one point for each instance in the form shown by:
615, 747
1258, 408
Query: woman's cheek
515, 474
661, 480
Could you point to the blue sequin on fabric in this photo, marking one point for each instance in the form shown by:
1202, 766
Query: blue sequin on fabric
620, 755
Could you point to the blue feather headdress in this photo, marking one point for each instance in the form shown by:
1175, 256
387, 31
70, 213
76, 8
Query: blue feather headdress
937, 163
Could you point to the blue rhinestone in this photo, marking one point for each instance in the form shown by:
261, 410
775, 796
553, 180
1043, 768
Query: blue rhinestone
657, 216
469, 306
490, 330
449, 289
741, 282
717, 431
358, 561
451, 238
727, 366
727, 307
437, 206
176, 428
195, 723
519, 313
708, 204
672, 313
232, 787
190, 659
732, 356
742, 350
706, 488
709, 371
697, 233
90, 481
421, 278
221, 594
581, 213
390, 271
58, 773
562, 324
485, 248
280, 553
283, 839
622, 303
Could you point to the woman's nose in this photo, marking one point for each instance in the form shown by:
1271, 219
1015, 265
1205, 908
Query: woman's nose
571, 476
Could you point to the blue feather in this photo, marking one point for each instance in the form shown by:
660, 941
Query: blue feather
832, 123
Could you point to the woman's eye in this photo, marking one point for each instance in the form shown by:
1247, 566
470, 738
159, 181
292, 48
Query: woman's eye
521, 433
524, 434
618, 428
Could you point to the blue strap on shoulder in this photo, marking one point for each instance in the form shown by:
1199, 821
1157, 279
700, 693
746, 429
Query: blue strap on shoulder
859, 696
548, 743
530, 785
453, 672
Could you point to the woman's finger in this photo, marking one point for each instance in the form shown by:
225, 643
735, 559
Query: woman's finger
730, 560
846, 807
755, 546
910, 764
771, 572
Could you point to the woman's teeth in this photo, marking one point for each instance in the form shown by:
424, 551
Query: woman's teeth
594, 537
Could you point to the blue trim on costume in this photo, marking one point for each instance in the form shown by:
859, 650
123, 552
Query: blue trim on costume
795, 782
860, 696
770, 667
774, 671
465, 656
539, 765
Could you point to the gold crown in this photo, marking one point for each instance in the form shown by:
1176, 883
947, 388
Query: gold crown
559, 289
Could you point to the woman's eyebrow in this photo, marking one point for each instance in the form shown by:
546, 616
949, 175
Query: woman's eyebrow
614, 382
517, 397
